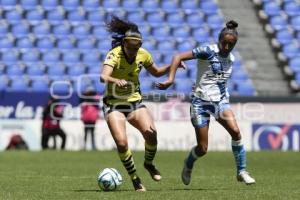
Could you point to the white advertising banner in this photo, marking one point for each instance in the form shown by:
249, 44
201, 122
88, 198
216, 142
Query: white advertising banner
267, 126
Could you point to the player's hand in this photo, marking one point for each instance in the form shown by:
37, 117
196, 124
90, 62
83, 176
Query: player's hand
182, 65
122, 83
164, 85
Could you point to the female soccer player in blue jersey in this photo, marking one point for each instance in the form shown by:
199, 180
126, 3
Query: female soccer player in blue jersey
122, 100
210, 96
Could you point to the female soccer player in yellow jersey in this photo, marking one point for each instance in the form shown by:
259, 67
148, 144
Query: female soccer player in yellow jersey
122, 99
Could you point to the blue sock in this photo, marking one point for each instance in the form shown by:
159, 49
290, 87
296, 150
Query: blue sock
192, 157
239, 155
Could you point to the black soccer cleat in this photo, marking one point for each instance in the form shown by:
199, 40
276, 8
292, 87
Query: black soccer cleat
154, 173
138, 186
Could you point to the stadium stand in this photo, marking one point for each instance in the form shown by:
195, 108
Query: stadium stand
59, 40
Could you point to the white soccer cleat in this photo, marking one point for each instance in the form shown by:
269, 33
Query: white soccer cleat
186, 174
245, 177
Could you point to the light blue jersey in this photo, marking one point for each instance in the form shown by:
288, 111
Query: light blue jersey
211, 84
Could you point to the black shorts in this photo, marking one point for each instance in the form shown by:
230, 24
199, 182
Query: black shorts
124, 108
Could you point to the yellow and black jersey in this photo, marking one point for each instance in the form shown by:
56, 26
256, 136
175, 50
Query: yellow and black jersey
127, 71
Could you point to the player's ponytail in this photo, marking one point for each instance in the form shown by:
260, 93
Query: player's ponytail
229, 29
121, 29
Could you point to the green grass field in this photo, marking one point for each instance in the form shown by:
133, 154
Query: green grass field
72, 175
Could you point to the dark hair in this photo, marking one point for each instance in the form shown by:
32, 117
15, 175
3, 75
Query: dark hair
120, 29
229, 29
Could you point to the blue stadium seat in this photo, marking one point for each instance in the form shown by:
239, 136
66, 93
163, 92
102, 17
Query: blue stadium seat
157, 57
239, 75
186, 45
8, 4
149, 45
18, 84
20, 30
28, 4
50, 57
45, 44
215, 21
36, 69
90, 5
77, 70
291, 8
150, 6
15, 70
100, 87
246, 89
294, 64
3, 28
111, 4
49, 4
195, 19
100, 32
34, 17
138, 17
130, 5
25, 43
41, 30
181, 32
13, 16
170, 5
86, 44
71, 57
61, 88
271, 8
143, 73
182, 74
94, 70
10, 57
57, 69
295, 22
2, 69
3, 83
183, 85
6, 43
56, 16
175, 19
284, 36
209, 7
146, 86
30, 57
291, 50
76, 17
96, 17
81, 31
62, 30
161, 33
190, 5
145, 30
155, 18
39, 85
104, 45
166, 46
167, 58
65, 44
278, 22
70, 4
91, 58
201, 34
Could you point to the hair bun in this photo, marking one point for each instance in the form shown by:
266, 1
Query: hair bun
232, 24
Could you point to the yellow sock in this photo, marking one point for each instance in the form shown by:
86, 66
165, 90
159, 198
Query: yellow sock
127, 160
150, 151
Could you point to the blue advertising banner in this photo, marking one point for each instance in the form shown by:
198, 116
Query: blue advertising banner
276, 137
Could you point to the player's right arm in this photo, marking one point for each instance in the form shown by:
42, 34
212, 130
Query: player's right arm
176, 61
106, 77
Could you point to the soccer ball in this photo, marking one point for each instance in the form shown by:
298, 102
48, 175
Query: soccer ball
109, 179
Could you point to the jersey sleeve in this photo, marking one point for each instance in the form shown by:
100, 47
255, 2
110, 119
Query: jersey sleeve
148, 59
204, 53
111, 59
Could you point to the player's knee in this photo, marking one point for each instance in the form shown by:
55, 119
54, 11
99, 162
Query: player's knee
201, 149
150, 136
236, 134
